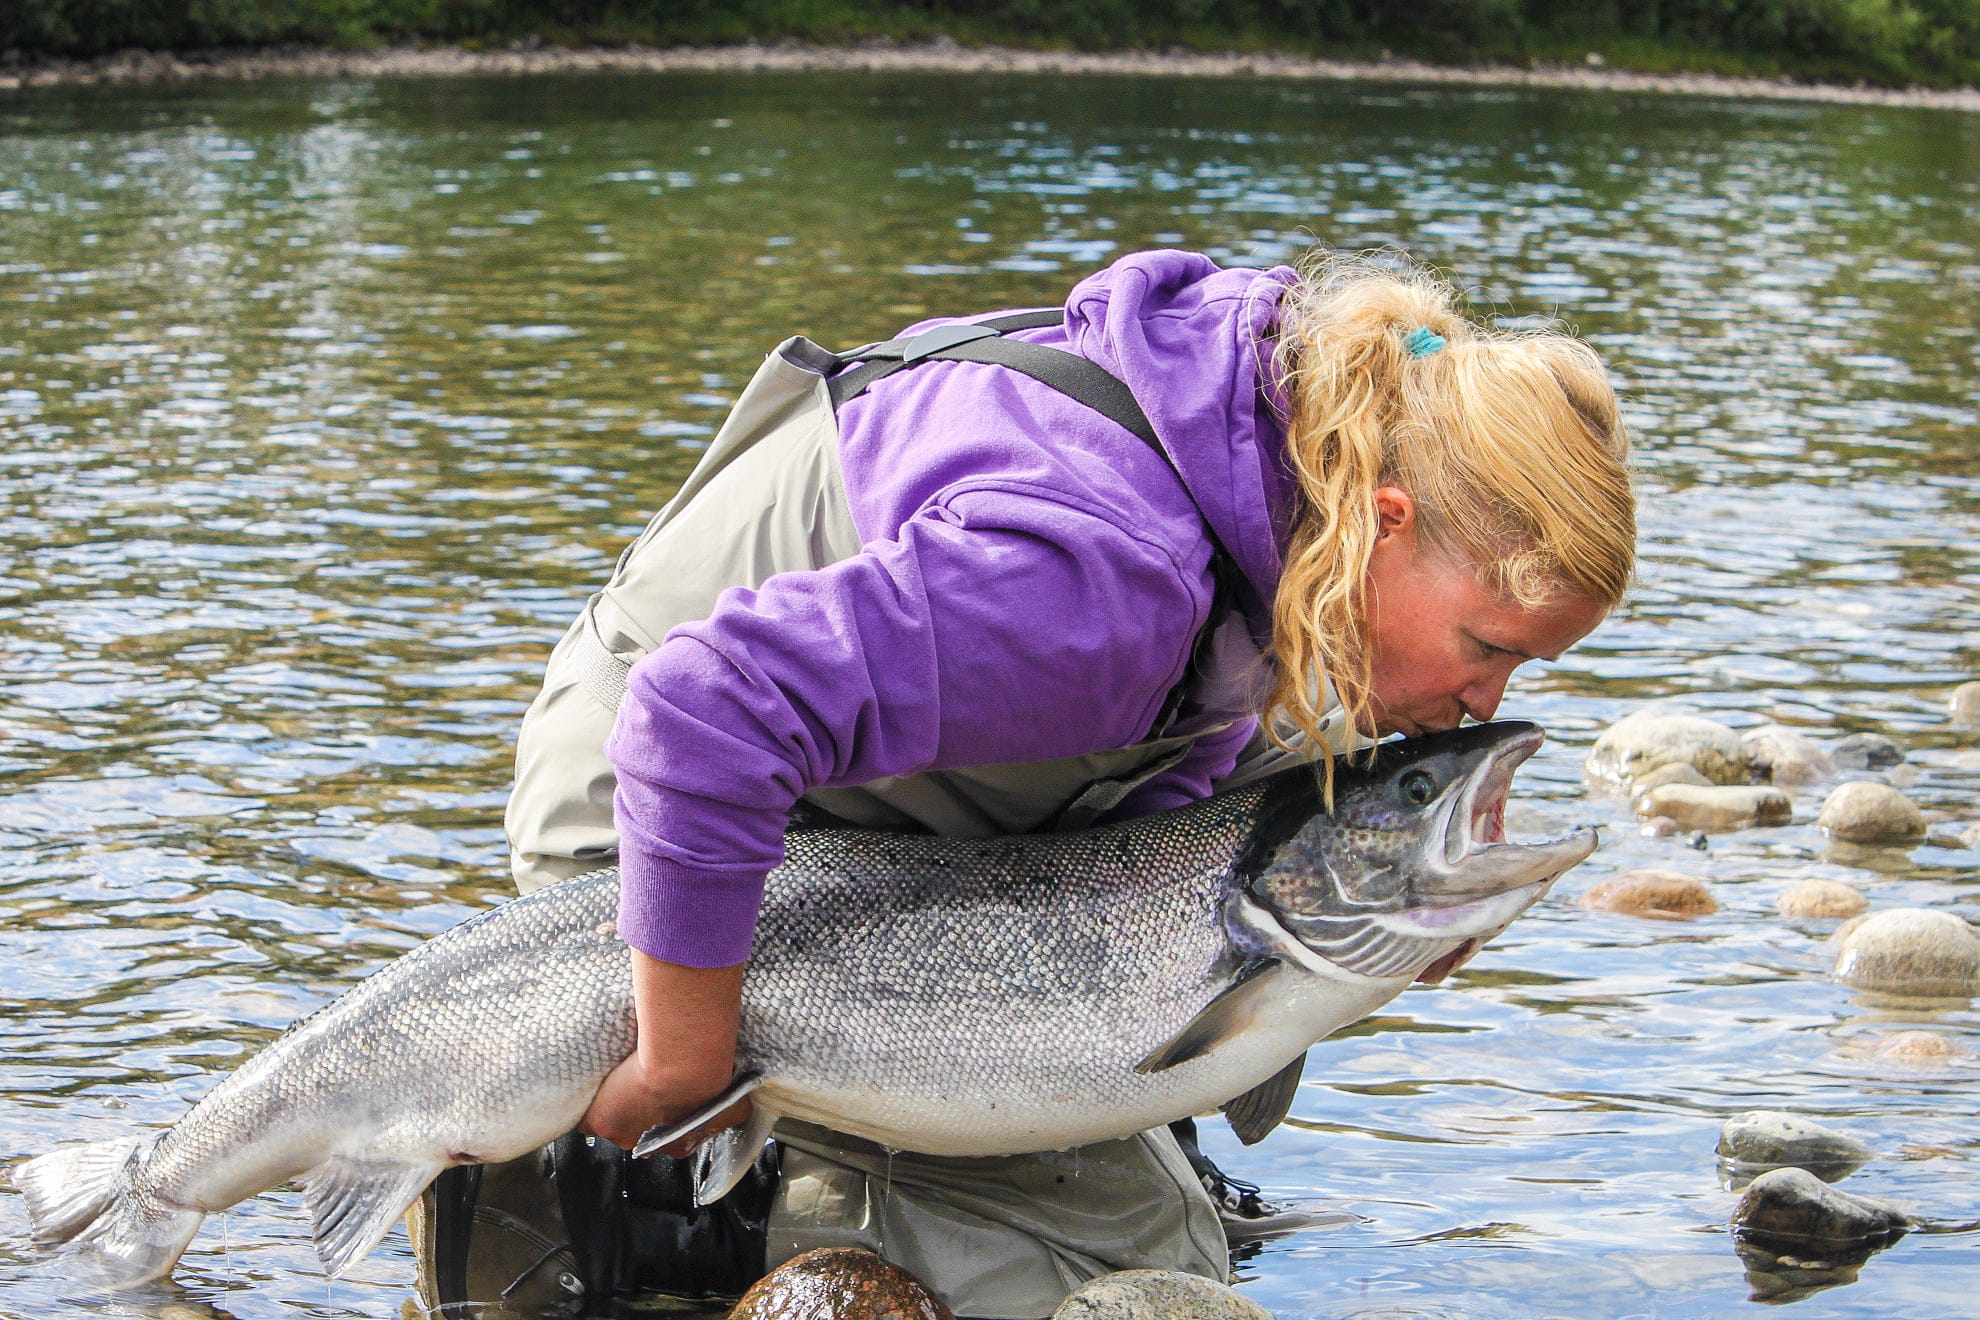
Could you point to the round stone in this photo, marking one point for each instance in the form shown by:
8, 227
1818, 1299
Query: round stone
1824, 899
1964, 703
839, 1283
1657, 736
1662, 895
1970, 836
1911, 951
1782, 756
1717, 807
1866, 751
1158, 1295
1920, 1047
1659, 827
1868, 812
1676, 772
1794, 1206
1770, 1139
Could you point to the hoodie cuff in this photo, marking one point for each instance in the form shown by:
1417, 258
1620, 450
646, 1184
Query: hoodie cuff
683, 915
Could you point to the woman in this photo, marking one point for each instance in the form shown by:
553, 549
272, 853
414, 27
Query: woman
973, 601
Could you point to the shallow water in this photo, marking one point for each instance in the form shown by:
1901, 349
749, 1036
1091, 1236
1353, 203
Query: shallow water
325, 404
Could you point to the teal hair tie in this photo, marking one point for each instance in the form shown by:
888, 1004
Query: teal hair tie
1423, 341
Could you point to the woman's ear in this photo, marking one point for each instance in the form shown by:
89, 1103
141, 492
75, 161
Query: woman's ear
1395, 511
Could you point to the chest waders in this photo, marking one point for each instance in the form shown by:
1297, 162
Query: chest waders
1005, 1237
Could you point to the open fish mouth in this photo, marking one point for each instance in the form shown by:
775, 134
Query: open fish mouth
1477, 871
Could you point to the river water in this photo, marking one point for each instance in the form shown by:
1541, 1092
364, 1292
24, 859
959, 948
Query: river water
324, 405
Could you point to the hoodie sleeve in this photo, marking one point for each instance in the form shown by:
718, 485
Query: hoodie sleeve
1001, 624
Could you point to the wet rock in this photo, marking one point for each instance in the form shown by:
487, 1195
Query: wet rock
839, 1283
1782, 756
1920, 1047
1662, 895
1158, 1295
1659, 827
1848, 928
1793, 1206
1657, 736
1821, 899
1867, 812
1677, 772
1716, 807
1970, 836
1964, 704
1945, 839
1762, 1139
1911, 951
1866, 751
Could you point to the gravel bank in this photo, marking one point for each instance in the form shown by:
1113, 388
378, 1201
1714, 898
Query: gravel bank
935, 56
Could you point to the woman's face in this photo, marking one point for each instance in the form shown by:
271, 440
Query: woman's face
1441, 645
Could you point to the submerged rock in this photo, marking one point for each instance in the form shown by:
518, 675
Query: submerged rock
1866, 812
1782, 756
1659, 827
1964, 704
1716, 807
1662, 895
839, 1283
1763, 1139
1911, 951
1158, 1295
1920, 1047
1866, 751
1822, 899
1657, 736
1677, 772
1793, 1206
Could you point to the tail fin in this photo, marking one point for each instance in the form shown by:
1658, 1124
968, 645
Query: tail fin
86, 1197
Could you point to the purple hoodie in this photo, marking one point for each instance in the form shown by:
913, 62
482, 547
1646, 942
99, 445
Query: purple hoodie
1032, 581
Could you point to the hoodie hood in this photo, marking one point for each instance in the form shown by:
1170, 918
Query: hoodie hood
1191, 340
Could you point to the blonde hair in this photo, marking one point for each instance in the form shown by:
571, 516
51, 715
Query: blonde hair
1508, 442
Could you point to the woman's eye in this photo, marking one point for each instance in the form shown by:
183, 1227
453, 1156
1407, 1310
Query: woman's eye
1418, 788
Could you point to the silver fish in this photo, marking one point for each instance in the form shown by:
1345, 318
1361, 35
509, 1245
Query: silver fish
955, 997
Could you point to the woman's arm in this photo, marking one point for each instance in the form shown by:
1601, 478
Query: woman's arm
686, 1052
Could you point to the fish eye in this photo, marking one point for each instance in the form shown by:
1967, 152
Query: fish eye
1418, 788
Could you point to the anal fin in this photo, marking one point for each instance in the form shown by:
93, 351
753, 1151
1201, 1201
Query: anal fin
1228, 1015
354, 1203
1254, 1114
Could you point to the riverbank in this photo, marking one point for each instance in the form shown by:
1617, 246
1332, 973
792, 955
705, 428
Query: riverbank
935, 56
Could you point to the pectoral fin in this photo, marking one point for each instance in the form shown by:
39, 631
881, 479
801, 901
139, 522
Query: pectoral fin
1228, 1015
1254, 1114
655, 1138
353, 1203
722, 1160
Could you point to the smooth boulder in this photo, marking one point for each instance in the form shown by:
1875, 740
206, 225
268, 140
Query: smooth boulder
1657, 736
1964, 704
1910, 951
1715, 807
839, 1283
1780, 755
1660, 895
1762, 1139
1824, 899
1793, 1206
1866, 812
1866, 751
1158, 1295
1920, 1047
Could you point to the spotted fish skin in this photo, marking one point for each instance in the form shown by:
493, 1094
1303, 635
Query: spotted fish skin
957, 997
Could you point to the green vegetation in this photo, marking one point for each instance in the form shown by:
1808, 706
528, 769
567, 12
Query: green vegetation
1892, 42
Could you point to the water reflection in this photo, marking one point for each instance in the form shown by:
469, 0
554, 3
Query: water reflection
324, 405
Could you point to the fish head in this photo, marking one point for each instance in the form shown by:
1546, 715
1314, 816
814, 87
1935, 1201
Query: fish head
1413, 863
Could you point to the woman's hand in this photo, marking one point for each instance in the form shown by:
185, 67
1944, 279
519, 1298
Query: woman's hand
685, 1057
